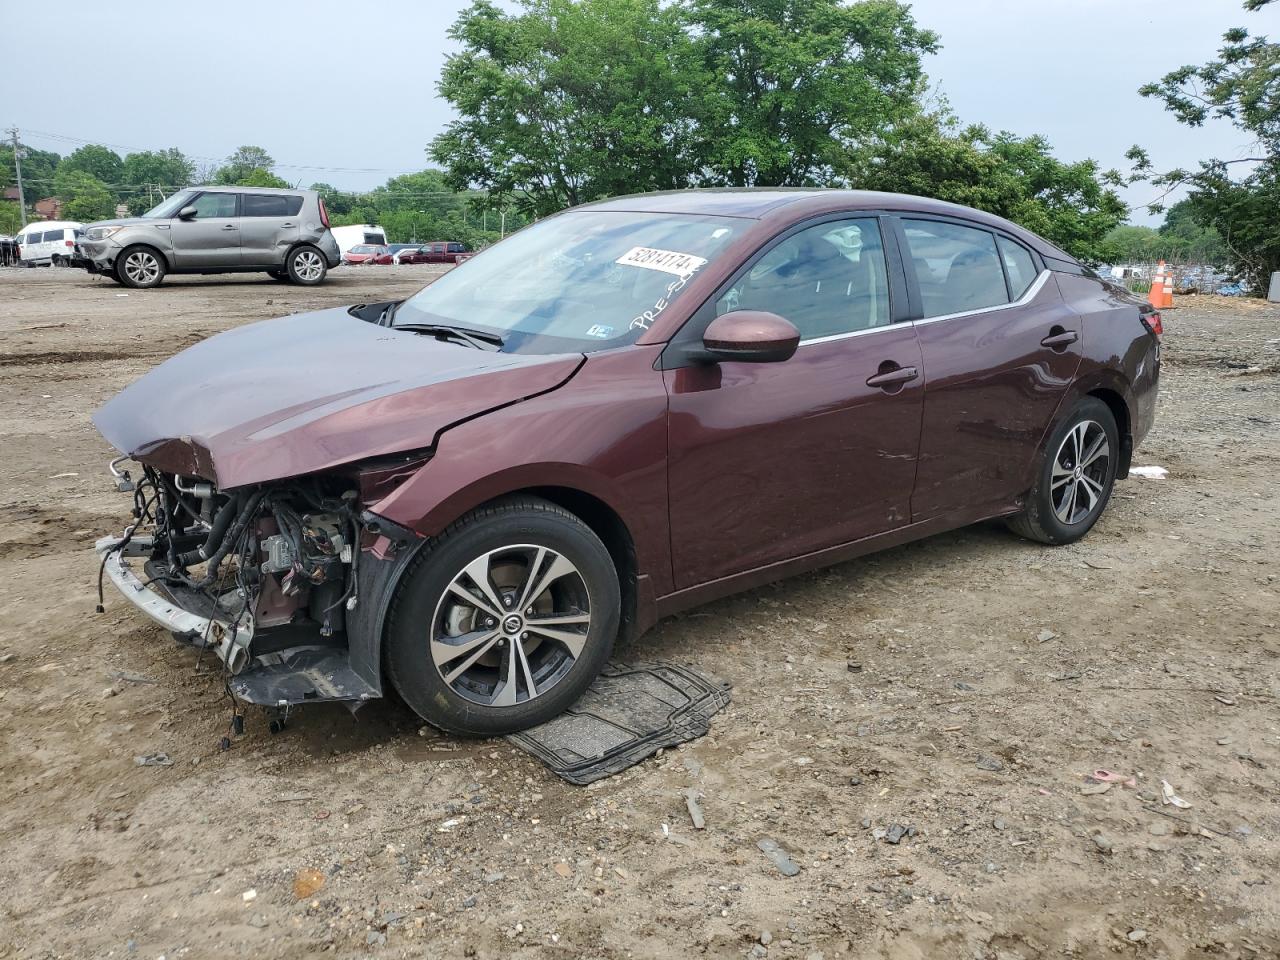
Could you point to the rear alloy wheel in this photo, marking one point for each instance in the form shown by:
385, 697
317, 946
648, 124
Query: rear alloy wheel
139, 267
504, 620
306, 266
1075, 478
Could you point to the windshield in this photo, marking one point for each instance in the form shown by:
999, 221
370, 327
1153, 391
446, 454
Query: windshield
169, 208
580, 281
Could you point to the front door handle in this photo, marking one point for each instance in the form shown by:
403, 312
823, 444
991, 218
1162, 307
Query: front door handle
893, 376
1059, 338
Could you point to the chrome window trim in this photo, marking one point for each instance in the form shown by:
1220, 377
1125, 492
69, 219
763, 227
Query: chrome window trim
1031, 292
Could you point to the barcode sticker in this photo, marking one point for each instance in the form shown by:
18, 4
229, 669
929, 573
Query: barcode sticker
668, 261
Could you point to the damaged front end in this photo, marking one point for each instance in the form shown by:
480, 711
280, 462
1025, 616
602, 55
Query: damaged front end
265, 578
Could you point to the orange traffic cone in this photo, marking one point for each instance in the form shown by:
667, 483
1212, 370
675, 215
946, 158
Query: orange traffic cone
1161, 293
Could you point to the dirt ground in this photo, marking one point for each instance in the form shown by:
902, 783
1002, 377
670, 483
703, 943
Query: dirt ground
962, 686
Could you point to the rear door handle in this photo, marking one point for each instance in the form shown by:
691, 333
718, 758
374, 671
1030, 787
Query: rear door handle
228, 226
1063, 339
892, 378
288, 224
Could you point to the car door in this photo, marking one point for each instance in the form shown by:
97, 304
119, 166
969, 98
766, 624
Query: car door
268, 227
211, 238
1000, 348
775, 460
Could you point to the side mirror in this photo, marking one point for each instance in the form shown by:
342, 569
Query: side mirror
187, 213
750, 336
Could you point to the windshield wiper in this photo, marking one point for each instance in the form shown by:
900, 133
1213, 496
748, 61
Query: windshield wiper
480, 339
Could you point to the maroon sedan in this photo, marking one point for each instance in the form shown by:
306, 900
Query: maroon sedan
617, 413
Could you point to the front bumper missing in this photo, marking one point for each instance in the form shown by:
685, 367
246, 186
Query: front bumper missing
230, 642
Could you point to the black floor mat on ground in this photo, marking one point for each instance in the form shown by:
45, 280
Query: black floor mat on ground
629, 713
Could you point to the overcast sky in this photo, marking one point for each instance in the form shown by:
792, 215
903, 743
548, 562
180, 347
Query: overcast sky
350, 87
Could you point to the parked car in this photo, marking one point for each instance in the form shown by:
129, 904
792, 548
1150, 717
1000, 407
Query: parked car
48, 242
438, 251
619, 412
284, 233
396, 249
367, 253
358, 235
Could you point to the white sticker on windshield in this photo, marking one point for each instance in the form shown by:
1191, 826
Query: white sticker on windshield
668, 261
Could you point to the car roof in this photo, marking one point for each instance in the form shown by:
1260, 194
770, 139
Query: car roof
759, 203
209, 188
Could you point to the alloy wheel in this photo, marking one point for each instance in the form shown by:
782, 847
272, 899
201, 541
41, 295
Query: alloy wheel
1080, 470
141, 267
510, 625
308, 265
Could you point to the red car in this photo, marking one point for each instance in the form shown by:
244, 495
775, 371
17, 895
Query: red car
367, 253
438, 251
620, 412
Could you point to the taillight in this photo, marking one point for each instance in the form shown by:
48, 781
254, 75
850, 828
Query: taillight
324, 214
70, 243
1153, 323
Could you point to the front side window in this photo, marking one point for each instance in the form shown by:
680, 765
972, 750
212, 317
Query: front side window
215, 206
579, 281
827, 280
957, 267
271, 205
169, 208
1018, 266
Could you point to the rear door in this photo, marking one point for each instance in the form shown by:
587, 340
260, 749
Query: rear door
268, 227
999, 348
770, 461
212, 237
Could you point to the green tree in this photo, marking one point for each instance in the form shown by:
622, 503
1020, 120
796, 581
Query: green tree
788, 87
1192, 239
1241, 85
100, 162
337, 202
84, 196
38, 167
568, 100
1018, 178
246, 164
151, 174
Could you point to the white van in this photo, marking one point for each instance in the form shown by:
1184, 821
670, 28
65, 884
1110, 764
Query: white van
358, 234
48, 242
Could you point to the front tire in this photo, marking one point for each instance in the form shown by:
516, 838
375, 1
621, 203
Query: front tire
306, 266
140, 267
1075, 477
504, 620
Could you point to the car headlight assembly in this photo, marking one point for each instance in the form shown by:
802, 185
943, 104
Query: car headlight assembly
101, 233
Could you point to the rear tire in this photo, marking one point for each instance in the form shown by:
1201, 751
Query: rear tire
140, 267
1075, 476
306, 266
529, 648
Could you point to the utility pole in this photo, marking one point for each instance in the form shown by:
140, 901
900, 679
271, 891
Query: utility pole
17, 164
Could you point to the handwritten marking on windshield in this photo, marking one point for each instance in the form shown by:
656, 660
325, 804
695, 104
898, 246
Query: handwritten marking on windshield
644, 319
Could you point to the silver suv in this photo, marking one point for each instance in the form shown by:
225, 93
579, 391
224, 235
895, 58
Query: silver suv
284, 233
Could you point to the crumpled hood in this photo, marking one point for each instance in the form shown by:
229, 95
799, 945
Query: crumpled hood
309, 392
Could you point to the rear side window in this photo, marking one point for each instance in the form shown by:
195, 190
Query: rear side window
1018, 265
52, 236
375, 238
957, 267
265, 205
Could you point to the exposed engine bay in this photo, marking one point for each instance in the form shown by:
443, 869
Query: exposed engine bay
259, 569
